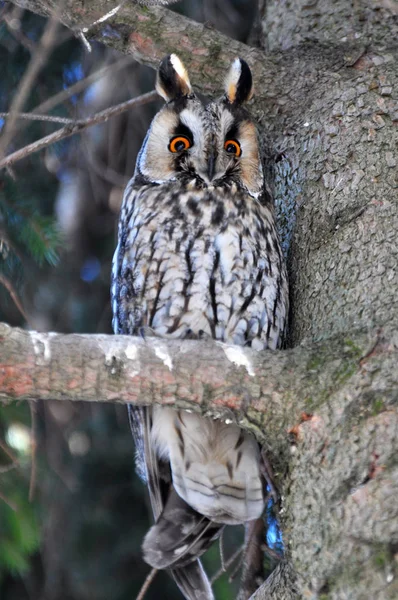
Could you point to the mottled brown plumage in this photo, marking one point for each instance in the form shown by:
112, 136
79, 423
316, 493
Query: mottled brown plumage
198, 256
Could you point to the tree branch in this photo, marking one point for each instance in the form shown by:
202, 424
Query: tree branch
81, 85
38, 117
74, 127
280, 585
11, 290
284, 83
266, 392
150, 33
36, 63
67, 93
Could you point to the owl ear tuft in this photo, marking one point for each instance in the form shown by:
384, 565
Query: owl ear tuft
239, 82
172, 81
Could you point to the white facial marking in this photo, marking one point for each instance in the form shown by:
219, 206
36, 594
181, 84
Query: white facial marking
195, 124
227, 121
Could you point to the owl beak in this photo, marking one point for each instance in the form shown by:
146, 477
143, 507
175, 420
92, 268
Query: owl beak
211, 165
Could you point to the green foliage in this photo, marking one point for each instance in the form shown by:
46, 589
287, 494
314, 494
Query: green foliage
29, 239
29, 245
19, 530
25, 232
19, 526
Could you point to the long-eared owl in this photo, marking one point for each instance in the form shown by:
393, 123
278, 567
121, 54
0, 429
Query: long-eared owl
198, 257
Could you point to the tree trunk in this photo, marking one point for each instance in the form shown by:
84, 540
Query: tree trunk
338, 170
327, 99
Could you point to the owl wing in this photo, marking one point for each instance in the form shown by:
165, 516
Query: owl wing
191, 533
180, 534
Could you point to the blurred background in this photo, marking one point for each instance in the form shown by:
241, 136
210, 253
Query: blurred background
79, 536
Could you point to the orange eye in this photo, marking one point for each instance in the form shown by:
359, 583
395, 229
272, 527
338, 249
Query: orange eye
179, 143
233, 147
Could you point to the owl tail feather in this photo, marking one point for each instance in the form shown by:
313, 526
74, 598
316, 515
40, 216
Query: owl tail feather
193, 582
179, 536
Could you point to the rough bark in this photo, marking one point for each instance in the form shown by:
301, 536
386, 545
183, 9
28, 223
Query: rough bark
282, 83
340, 170
327, 414
150, 33
280, 585
267, 392
287, 24
327, 99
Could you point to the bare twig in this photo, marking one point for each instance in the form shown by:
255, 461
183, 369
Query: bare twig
221, 548
81, 85
76, 127
101, 169
36, 63
13, 23
84, 41
33, 429
237, 566
268, 475
8, 502
11, 173
10, 288
9, 452
147, 583
3, 11
107, 16
228, 563
252, 559
36, 117
102, 19
7, 468
273, 554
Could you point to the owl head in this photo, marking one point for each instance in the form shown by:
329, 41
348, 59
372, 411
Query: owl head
203, 146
